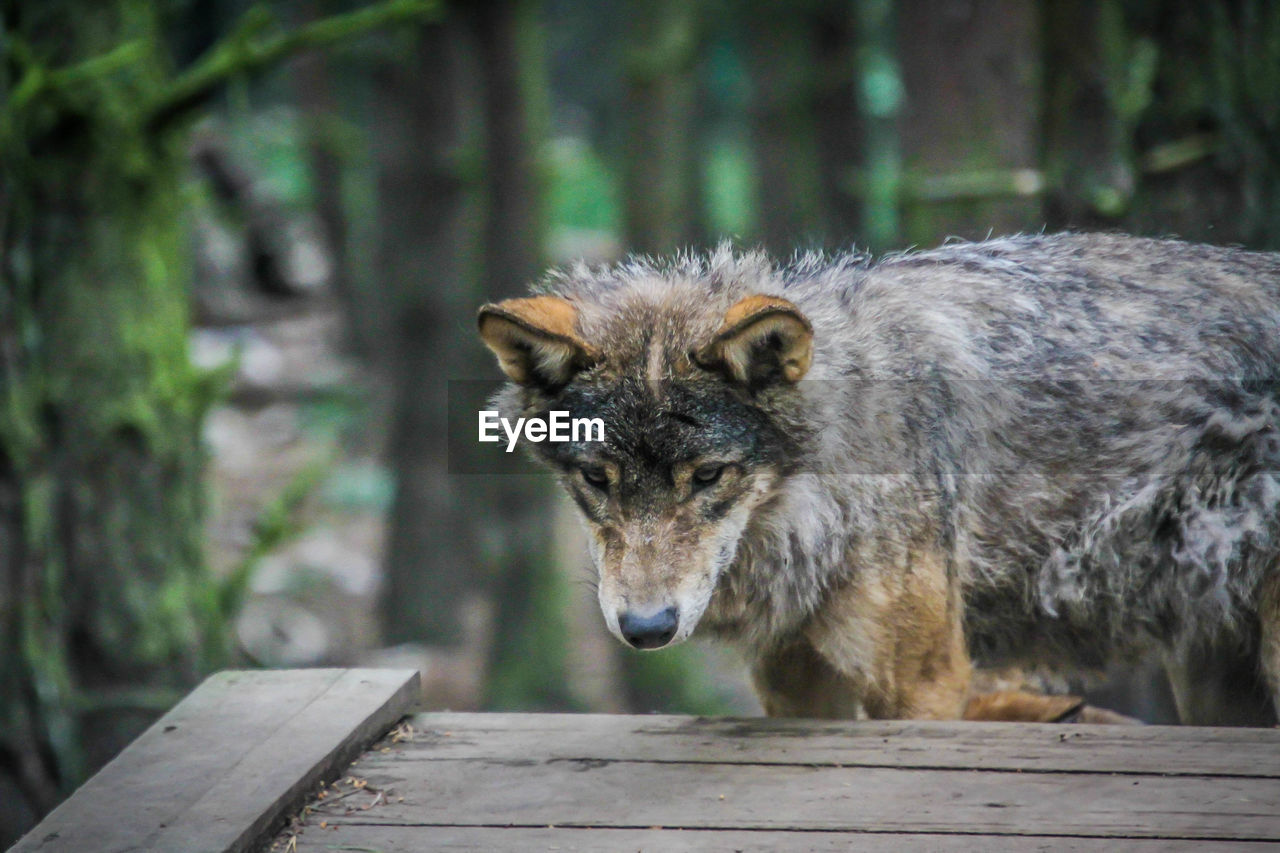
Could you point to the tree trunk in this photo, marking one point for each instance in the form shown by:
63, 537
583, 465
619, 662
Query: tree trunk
107, 611
840, 132
970, 72
314, 84
659, 208
784, 127
426, 235
527, 661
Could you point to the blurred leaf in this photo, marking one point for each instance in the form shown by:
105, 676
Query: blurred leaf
882, 90
367, 487
729, 188
582, 193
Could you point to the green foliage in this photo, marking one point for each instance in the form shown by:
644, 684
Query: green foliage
582, 192
730, 189
277, 523
362, 488
1130, 61
274, 143
881, 96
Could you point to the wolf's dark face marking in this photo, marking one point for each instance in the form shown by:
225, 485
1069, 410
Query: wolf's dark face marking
667, 493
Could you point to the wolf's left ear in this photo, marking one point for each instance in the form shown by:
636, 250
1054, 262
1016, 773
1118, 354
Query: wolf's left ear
763, 339
534, 340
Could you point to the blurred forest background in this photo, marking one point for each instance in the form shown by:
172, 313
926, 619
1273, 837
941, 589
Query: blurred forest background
243, 244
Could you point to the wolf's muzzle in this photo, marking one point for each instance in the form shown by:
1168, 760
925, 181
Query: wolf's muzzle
649, 632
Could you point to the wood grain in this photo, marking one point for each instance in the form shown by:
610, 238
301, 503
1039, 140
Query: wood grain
406, 839
601, 793
1024, 747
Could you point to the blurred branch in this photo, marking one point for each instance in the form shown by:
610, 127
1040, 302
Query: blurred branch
1180, 153
972, 185
36, 78
957, 186
113, 60
244, 51
1017, 183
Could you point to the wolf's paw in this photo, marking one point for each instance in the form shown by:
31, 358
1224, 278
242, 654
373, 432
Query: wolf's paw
1091, 714
1020, 706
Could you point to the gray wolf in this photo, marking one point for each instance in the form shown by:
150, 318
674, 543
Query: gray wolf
1052, 451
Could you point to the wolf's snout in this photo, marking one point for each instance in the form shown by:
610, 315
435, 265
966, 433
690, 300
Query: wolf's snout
649, 632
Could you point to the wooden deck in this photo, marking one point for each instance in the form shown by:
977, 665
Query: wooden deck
237, 758
593, 782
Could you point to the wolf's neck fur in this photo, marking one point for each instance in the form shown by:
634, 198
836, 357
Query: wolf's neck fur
810, 539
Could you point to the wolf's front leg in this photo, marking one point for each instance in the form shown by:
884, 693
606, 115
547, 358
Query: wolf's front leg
896, 635
891, 645
896, 638
793, 680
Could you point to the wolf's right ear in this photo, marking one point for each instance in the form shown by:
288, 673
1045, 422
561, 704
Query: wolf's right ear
534, 340
763, 339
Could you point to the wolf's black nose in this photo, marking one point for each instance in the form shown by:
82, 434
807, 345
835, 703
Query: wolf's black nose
649, 632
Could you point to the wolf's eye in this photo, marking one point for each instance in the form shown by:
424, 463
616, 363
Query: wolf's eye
706, 475
595, 476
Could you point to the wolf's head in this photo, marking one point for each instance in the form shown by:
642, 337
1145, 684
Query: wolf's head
693, 381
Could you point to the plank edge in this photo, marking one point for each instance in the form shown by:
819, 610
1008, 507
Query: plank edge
328, 767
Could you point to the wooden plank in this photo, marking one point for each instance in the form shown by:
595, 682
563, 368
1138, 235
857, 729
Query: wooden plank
402, 839
1025, 747
228, 761
525, 792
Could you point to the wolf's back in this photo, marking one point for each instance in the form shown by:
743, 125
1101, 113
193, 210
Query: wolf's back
1061, 306
1101, 418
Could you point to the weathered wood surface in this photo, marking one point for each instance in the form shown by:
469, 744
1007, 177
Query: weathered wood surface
588, 782
220, 769
404, 839
1162, 750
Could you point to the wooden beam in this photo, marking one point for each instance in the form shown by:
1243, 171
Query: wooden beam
236, 756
